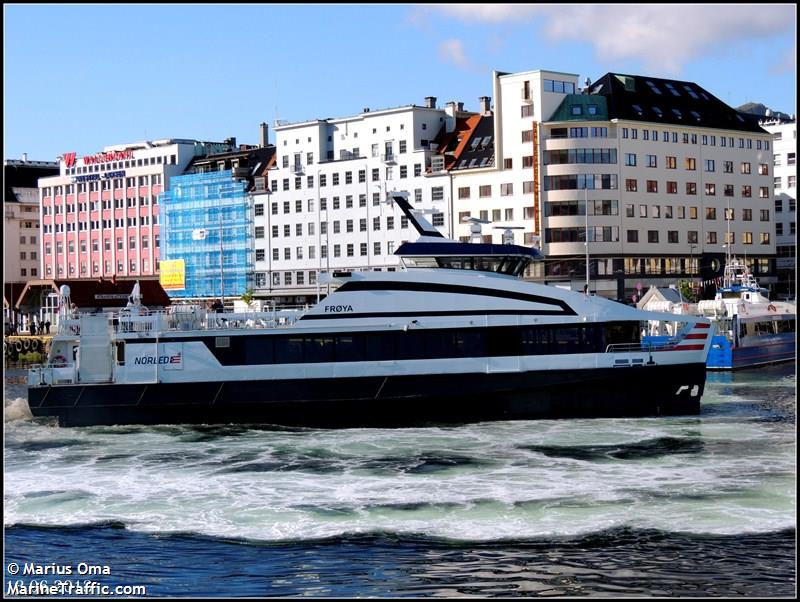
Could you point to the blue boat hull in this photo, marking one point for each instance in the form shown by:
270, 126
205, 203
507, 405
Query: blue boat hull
757, 351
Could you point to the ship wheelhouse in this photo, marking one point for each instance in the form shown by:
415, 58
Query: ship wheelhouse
511, 260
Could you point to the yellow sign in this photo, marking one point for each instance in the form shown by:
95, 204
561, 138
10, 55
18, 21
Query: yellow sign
172, 274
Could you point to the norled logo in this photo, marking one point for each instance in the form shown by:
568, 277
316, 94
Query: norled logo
161, 359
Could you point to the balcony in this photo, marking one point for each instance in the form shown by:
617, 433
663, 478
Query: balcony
297, 169
388, 158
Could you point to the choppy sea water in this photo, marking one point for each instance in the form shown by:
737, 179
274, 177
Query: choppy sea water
692, 506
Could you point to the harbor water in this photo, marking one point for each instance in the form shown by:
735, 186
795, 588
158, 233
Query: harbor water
666, 506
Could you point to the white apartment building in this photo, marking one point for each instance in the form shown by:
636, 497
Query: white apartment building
675, 181
326, 208
669, 173
506, 191
784, 148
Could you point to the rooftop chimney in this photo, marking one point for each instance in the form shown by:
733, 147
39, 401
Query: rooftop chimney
460, 107
365, 110
483, 103
264, 134
430, 102
24, 157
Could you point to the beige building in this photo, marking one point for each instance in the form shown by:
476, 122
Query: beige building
21, 236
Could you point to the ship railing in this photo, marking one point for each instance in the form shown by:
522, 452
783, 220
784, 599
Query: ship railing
190, 318
277, 318
69, 326
52, 373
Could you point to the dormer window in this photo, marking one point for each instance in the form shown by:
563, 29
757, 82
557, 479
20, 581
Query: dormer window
653, 87
576, 110
638, 109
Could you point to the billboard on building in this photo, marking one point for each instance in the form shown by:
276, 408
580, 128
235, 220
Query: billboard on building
172, 274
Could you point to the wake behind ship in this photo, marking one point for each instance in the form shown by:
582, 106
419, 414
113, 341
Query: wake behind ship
455, 337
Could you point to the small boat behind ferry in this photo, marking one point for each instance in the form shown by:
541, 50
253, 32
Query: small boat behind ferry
750, 329
455, 336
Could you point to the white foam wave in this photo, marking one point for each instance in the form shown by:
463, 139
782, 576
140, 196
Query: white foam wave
484, 482
16, 409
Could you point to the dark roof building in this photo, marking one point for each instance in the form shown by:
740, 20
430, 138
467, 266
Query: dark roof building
655, 100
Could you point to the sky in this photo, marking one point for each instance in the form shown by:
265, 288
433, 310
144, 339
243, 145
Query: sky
80, 77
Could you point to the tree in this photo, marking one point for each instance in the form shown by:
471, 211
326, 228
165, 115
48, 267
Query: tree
686, 291
248, 297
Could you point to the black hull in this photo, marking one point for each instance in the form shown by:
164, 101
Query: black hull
383, 401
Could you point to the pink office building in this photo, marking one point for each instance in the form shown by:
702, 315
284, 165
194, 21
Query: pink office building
100, 215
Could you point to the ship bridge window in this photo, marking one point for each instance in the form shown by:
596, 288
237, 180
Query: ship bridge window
510, 265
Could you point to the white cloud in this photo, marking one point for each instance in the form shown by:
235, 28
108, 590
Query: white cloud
786, 63
452, 51
663, 37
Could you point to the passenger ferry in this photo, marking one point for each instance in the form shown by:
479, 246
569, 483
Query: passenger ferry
454, 336
750, 329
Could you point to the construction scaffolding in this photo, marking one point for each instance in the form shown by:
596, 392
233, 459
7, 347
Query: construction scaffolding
208, 222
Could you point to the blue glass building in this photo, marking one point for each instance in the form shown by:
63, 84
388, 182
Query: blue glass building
207, 216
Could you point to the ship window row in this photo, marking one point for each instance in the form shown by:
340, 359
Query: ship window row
767, 327
425, 344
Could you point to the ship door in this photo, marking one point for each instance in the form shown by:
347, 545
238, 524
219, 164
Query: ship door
504, 346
